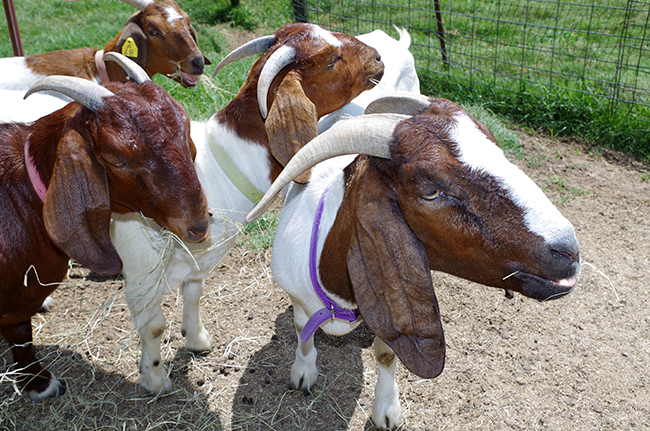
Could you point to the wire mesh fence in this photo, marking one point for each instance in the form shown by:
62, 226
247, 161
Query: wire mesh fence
593, 51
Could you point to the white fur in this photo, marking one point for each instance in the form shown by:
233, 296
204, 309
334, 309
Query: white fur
15, 75
139, 243
15, 80
399, 75
541, 216
326, 36
172, 14
15, 109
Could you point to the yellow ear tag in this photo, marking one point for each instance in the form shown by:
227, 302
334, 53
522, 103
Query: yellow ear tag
130, 49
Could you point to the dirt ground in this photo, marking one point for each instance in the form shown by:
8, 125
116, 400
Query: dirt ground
579, 363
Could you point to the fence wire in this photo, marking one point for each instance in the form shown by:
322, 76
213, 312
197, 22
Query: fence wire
598, 49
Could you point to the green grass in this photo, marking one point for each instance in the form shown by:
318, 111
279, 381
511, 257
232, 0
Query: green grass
562, 67
259, 235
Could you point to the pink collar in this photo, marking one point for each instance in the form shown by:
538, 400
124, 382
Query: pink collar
34, 175
101, 67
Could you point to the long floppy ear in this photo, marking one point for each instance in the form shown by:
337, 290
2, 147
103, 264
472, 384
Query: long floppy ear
77, 209
136, 47
389, 270
292, 121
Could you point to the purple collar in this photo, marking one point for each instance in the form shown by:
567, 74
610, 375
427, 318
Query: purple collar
331, 310
34, 175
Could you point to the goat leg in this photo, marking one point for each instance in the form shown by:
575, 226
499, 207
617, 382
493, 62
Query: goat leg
303, 370
197, 338
386, 410
40, 383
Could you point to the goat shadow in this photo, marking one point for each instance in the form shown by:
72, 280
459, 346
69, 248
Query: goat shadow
263, 399
96, 396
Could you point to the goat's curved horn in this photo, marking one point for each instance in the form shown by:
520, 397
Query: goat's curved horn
139, 4
284, 56
133, 69
401, 102
88, 93
255, 46
367, 134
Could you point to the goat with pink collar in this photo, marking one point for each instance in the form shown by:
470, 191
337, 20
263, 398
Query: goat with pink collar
433, 193
122, 148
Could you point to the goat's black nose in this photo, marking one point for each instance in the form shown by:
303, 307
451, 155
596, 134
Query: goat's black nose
197, 64
565, 257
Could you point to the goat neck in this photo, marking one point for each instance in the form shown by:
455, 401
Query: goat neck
73, 62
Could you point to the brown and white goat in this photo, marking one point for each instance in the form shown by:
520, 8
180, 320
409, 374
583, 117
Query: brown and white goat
159, 38
436, 194
305, 72
126, 147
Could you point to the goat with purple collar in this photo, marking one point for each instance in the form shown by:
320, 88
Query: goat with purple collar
433, 192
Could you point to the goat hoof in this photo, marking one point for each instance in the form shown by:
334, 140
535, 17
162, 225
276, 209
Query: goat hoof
303, 379
161, 387
54, 389
389, 419
199, 342
47, 305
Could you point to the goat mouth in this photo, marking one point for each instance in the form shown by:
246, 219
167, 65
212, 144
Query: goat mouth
186, 79
544, 289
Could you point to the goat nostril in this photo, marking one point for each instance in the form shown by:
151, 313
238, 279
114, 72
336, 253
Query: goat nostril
566, 255
198, 234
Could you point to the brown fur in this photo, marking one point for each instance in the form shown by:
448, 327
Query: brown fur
72, 62
133, 155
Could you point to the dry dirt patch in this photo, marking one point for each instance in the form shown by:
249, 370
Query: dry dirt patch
582, 362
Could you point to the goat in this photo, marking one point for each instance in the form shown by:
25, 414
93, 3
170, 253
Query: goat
435, 194
305, 72
399, 74
122, 148
159, 38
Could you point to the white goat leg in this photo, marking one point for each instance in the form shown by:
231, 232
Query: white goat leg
197, 338
386, 411
149, 320
153, 375
303, 371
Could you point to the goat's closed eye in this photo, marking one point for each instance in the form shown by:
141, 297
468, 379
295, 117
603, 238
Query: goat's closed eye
431, 196
115, 162
334, 61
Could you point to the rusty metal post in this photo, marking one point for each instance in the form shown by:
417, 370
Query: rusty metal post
10, 12
299, 11
441, 33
